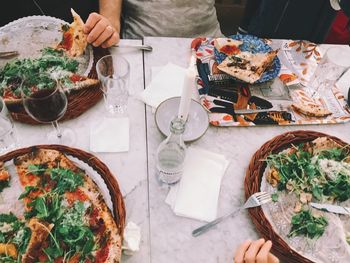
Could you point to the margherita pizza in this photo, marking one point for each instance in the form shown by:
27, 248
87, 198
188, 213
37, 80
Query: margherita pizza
228, 46
65, 217
247, 66
74, 40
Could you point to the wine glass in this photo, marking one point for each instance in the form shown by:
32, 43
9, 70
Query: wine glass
46, 102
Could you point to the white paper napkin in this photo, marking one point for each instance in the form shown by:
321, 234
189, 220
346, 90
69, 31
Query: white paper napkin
197, 194
166, 83
110, 135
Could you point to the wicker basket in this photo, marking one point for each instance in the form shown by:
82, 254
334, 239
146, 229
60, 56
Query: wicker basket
78, 101
253, 181
93, 162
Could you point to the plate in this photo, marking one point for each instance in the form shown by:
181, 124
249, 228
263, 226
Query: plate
255, 45
197, 123
290, 250
28, 35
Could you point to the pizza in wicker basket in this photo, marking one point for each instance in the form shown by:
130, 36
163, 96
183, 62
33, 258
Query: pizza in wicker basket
58, 61
65, 217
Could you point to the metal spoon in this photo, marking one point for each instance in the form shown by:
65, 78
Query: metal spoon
141, 47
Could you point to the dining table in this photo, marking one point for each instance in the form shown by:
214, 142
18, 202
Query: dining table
166, 237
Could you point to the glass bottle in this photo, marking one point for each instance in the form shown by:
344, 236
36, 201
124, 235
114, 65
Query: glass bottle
171, 154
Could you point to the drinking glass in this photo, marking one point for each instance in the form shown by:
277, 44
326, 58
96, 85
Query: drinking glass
333, 65
8, 139
113, 72
46, 102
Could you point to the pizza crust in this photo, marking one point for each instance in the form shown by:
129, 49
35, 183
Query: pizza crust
78, 36
247, 66
312, 110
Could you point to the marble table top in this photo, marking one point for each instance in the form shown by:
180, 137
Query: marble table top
165, 236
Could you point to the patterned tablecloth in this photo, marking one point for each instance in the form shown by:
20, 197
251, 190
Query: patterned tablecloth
221, 95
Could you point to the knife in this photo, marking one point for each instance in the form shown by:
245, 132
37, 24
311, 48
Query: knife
8, 54
332, 208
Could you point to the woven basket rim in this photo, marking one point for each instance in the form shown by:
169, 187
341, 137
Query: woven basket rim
97, 165
252, 184
79, 101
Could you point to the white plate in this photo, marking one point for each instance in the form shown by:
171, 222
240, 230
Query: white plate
197, 122
29, 35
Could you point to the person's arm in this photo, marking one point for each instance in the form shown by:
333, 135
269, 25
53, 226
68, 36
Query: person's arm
103, 29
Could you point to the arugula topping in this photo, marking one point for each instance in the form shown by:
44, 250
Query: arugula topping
36, 169
66, 180
12, 230
301, 171
274, 197
71, 234
51, 60
71, 230
304, 223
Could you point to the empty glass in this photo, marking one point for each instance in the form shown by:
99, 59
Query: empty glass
8, 139
113, 72
332, 66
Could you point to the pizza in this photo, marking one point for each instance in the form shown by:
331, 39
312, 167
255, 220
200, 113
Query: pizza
53, 61
74, 40
309, 106
228, 46
247, 66
65, 217
62, 62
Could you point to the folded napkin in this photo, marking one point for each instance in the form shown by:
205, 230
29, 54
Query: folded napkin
197, 194
166, 83
111, 135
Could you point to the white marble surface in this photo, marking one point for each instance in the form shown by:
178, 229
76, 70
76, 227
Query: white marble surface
171, 239
130, 168
166, 237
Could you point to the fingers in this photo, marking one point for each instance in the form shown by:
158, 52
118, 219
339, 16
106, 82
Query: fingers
100, 32
114, 39
90, 23
264, 252
239, 255
271, 258
250, 255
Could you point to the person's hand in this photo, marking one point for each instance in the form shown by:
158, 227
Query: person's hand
100, 31
255, 252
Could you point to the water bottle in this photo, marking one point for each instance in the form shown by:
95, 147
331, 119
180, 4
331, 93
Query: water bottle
171, 154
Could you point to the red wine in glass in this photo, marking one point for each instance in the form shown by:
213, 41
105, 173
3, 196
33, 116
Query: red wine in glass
47, 104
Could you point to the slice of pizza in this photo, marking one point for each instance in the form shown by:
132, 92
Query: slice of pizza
308, 106
4, 177
74, 40
60, 193
228, 46
247, 66
55, 62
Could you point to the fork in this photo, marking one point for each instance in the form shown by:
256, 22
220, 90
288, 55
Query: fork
256, 199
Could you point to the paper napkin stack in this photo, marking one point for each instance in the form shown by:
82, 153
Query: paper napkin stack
196, 196
166, 83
